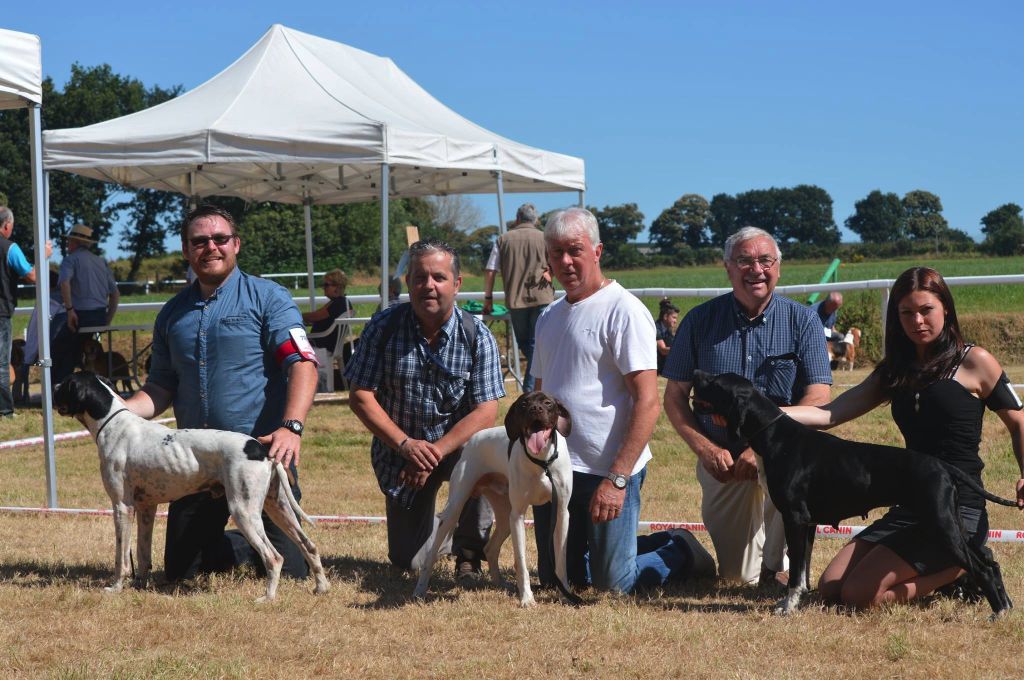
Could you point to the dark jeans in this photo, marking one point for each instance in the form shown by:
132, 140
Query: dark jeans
67, 346
6, 400
197, 543
524, 325
411, 530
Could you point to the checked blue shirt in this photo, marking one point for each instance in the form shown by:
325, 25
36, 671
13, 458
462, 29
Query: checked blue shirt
425, 392
781, 351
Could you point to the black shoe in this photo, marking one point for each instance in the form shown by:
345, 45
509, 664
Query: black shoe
963, 589
467, 569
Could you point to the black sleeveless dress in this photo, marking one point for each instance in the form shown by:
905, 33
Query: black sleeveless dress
943, 419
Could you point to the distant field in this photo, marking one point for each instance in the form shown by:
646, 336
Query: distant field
1002, 299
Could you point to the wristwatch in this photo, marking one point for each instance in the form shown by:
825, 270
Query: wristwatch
618, 480
293, 425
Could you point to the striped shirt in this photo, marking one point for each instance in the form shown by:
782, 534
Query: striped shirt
424, 391
781, 351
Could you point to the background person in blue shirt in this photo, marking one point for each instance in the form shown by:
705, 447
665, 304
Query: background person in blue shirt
229, 352
90, 298
827, 309
423, 387
777, 344
13, 267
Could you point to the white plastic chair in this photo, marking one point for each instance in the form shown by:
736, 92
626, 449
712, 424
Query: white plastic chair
328, 358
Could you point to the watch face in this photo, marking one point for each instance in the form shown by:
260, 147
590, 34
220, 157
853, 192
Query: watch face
619, 481
293, 425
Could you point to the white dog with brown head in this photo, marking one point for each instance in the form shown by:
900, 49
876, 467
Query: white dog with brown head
524, 463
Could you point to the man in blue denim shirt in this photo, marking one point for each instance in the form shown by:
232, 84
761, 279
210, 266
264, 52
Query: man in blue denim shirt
422, 386
778, 345
230, 353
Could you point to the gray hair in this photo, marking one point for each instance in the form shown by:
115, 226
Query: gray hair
572, 222
6, 215
749, 233
527, 213
427, 246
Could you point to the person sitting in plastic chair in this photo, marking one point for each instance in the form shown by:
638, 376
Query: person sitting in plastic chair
325, 333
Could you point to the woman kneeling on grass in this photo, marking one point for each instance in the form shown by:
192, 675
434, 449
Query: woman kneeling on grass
938, 387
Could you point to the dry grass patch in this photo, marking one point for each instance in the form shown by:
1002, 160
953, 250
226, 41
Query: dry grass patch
55, 621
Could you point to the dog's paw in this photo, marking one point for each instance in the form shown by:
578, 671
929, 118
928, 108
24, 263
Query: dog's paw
527, 601
420, 593
113, 588
787, 605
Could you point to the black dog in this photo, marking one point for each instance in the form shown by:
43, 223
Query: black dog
814, 477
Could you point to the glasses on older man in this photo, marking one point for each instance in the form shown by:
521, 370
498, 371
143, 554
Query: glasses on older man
199, 242
765, 261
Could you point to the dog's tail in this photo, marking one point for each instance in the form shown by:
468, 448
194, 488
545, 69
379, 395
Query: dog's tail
966, 479
286, 489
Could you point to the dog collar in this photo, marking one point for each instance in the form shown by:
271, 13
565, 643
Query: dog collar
107, 421
767, 425
544, 465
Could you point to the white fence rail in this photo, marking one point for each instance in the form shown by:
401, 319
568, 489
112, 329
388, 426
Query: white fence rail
883, 285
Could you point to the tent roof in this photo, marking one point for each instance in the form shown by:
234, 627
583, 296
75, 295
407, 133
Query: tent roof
21, 70
297, 116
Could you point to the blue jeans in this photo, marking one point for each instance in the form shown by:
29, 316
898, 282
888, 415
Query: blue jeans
609, 555
6, 400
524, 324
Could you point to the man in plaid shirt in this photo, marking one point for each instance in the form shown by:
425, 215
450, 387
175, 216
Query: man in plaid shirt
423, 386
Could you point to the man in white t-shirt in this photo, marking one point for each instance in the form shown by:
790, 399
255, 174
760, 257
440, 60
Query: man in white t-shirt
596, 353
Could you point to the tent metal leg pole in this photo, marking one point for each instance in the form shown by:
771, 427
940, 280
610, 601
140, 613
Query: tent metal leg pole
307, 213
384, 255
581, 196
41, 211
513, 361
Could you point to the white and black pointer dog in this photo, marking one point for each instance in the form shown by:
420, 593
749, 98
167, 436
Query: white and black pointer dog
814, 477
524, 463
144, 463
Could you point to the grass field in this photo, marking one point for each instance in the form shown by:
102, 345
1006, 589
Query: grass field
55, 621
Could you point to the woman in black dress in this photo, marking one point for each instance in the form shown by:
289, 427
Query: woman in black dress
938, 387
335, 283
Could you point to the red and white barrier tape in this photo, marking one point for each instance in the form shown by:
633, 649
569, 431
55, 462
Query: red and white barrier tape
827, 531
63, 436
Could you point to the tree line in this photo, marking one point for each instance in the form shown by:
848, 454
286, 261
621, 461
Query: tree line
690, 231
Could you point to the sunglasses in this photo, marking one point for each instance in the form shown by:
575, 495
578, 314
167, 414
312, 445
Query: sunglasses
199, 242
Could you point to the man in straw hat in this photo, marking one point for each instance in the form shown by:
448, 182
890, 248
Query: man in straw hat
13, 266
89, 294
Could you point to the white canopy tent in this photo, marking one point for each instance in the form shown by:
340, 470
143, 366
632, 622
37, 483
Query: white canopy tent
21, 86
301, 119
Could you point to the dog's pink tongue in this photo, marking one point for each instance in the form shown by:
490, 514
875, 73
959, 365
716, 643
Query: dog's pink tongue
537, 441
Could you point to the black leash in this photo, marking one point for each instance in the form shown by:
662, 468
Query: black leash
545, 465
107, 421
769, 424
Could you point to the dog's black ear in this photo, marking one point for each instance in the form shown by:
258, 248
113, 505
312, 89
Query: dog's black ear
514, 416
564, 425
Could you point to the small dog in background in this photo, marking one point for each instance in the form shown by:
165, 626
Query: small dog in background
843, 354
95, 360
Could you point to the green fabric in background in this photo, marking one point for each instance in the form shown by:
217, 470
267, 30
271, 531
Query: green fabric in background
477, 307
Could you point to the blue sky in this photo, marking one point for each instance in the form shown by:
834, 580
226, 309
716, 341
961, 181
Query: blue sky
658, 98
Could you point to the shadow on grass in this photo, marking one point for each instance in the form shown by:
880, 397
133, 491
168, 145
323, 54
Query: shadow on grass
393, 589
44, 574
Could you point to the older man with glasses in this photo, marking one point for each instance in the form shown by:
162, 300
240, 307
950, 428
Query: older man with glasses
777, 344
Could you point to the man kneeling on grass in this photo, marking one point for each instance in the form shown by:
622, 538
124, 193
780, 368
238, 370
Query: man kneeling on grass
424, 378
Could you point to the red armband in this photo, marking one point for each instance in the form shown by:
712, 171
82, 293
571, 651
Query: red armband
297, 343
